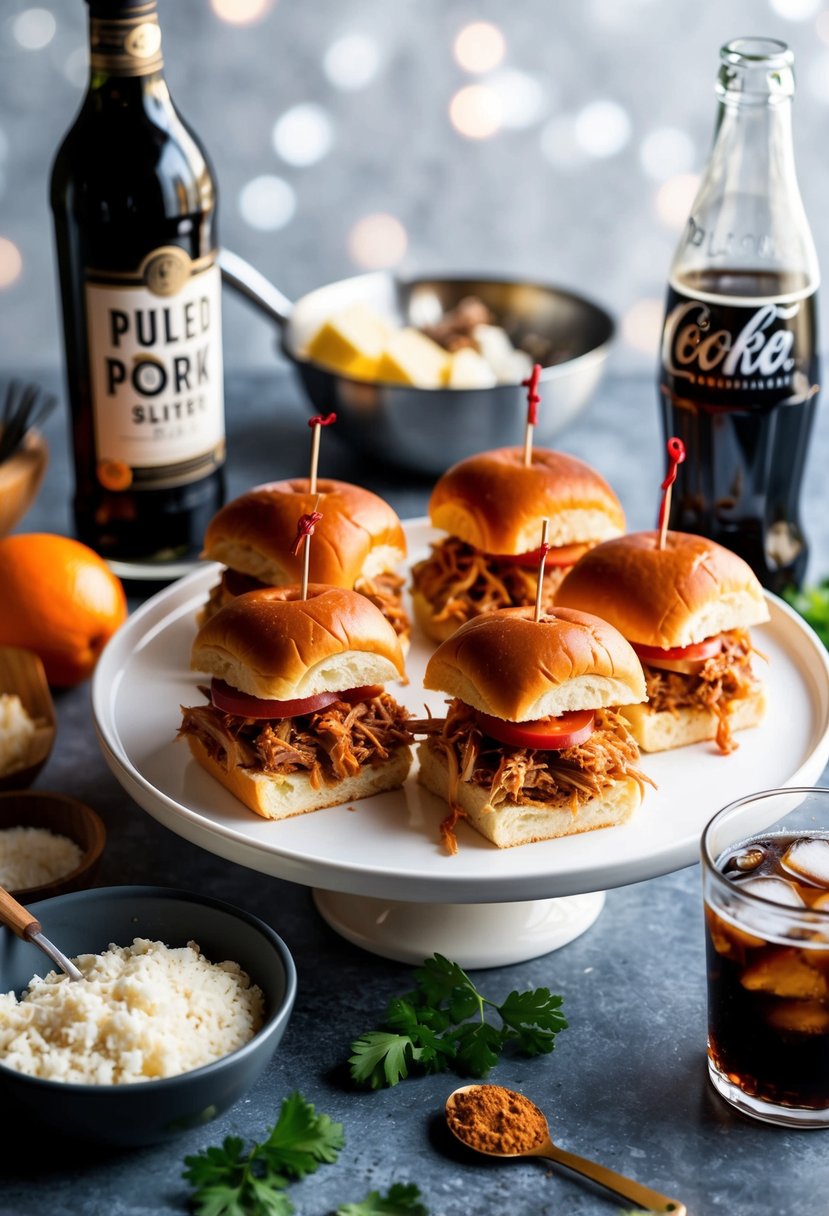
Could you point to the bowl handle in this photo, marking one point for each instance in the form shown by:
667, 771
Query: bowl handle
253, 285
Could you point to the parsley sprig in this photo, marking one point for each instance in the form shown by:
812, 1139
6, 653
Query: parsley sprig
442, 1026
234, 1181
401, 1199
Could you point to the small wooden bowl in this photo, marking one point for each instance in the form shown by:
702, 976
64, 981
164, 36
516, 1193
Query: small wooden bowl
21, 672
64, 816
20, 478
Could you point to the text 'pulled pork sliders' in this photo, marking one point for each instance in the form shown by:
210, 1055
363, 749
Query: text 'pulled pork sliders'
297, 717
533, 745
359, 547
491, 505
686, 609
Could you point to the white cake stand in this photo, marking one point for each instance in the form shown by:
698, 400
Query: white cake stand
380, 874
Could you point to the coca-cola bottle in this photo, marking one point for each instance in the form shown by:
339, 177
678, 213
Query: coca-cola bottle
739, 365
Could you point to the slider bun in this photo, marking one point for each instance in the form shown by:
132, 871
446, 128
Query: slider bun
496, 503
658, 731
508, 824
509, 665
272, 644
688, 591
277, 796
359, 533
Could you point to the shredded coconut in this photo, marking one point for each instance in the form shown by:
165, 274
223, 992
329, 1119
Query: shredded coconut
30, 857
17, 730
141, 1012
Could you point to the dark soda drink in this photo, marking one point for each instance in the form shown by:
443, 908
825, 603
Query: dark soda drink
738, 369
768, 985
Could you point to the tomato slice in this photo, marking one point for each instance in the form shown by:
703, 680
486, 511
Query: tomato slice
244, 705
697, 650
558, 555
545, 734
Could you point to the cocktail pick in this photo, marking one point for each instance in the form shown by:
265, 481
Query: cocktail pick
676, 455
542, 558
316, 424
304, 531
533, 399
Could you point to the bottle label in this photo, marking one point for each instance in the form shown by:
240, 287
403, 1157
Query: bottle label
128, 45
719, 348
155, 356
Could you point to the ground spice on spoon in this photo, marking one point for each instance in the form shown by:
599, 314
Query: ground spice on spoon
492, 1119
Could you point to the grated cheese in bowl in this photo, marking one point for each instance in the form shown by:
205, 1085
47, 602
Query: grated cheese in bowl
31, 857
141, 1012
17, 732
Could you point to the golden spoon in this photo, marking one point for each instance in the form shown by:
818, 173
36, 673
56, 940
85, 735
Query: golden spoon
499, 1122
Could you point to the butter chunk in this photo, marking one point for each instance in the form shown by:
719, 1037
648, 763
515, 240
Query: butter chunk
468, 369
351, 341
412, 358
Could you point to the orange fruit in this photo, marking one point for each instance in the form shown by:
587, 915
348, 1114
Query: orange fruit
60, 600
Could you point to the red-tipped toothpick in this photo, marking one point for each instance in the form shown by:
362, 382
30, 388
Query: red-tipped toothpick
676, 455
533, 400
316, 424
542, 558
304, 531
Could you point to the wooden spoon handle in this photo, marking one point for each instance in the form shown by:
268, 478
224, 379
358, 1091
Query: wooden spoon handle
18, 918
624, 1187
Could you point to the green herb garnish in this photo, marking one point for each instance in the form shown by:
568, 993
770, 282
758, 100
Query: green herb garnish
402, 1199
441, 1026
235, 1181
813, 605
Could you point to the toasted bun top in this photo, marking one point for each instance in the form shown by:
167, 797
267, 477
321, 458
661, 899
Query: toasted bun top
272, 644
359, 533
509, 665
688, 591
496, 503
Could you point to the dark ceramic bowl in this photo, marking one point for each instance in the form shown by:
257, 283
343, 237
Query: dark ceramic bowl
145, 1112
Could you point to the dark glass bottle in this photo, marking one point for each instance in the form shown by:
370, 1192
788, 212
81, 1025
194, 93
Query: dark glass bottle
739, 363
134, 203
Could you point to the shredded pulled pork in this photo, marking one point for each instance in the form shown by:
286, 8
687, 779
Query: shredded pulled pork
725, 678
462, 582
384, 590
329, 744
527, 776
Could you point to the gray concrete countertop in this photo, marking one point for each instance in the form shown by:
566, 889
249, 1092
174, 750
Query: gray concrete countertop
627, 1081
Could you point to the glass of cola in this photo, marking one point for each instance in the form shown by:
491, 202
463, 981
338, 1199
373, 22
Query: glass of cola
765, 869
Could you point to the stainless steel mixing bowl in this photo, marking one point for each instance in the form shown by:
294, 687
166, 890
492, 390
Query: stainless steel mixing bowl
426, 430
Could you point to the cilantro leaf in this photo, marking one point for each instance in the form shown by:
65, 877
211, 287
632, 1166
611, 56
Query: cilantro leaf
438, 979
478, 1048
301, 1139
228, 1181
443, 1024
401, 1199
381, 1058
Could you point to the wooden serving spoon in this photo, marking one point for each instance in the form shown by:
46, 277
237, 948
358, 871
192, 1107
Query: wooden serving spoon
21, 672
21, 921
624, 1187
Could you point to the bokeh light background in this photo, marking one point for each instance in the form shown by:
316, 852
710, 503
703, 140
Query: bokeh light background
551, 139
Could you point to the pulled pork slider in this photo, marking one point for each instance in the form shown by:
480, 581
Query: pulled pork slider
686, 609
533, 745
492, 505
297, 717
359, 546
